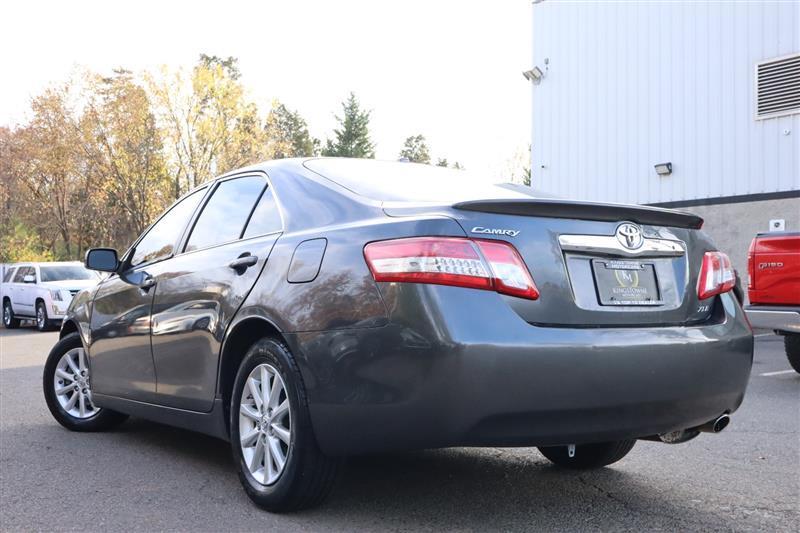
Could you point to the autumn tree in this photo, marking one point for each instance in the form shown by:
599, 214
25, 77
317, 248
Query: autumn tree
352, 137
415, 149
287, 133
123, 143
209, 125
50, 167
18, 241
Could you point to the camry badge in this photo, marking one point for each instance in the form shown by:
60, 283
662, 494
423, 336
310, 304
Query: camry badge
495, 231
629, 235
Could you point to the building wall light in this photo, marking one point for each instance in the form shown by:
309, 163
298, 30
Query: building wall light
535, 75
664, 169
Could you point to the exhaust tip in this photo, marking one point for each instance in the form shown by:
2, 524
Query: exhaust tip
721, 423
716, 425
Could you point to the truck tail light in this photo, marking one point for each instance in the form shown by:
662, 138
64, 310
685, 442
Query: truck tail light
751, 265
716, 275
460, 262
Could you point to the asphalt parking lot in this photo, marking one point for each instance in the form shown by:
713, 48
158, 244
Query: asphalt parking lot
147, 477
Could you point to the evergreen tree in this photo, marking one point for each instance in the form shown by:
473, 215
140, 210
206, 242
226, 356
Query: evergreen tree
416, 150
442, 162
352, 137
287, 133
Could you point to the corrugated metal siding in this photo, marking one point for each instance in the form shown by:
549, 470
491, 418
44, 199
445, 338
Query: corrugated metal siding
632, 85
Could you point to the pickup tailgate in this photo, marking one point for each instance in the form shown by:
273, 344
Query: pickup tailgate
774, 269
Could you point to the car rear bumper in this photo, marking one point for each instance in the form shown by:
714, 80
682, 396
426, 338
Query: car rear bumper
774, 317
451, 370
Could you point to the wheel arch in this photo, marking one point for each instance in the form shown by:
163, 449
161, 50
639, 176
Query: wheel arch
241, 336
69, 326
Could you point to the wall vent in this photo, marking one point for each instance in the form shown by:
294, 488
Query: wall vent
778, 86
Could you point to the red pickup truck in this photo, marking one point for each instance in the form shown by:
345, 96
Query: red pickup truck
773, 288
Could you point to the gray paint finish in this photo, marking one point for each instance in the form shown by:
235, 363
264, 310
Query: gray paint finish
461, 366
306, 261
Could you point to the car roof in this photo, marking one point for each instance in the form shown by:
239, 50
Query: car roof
44, 263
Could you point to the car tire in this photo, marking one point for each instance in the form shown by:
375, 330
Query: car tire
791, 341
73, 408
588, 456
9, 320
42, 320
305, 476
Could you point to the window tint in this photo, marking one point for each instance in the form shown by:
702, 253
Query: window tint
8, 275
226, 212
22, 272
265, 218
161, 239
389, 181
65, 272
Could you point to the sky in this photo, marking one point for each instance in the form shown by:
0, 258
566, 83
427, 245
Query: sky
449, 70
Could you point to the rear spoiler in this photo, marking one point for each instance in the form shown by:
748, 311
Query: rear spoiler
585, 211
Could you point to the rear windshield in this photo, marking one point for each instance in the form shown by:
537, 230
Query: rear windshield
392, 181
65, 272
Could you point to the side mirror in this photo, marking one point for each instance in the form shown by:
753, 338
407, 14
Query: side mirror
30, 278
102, 259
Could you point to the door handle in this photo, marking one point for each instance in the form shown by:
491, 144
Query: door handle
147, 283
243, 262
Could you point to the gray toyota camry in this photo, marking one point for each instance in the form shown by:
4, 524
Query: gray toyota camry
306, 310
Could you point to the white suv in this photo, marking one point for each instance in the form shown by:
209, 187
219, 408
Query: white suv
42, 291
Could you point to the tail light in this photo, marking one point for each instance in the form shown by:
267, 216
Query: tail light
460, 262
751, 265
716, 275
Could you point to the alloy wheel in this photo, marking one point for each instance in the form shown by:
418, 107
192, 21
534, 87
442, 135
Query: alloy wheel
40, 320
265, 424
72, 385
6, 314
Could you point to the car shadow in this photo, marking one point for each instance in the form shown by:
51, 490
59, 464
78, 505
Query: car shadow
456, 488
451, 489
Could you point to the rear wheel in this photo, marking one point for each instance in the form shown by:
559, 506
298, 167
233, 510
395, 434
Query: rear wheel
791, 342
68, 391
280, 465
586, 456
9, 321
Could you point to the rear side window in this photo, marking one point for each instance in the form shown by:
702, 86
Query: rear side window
265, 218
161, 239
226, 212
8, 275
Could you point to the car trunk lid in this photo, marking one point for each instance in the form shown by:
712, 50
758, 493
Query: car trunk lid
585, 273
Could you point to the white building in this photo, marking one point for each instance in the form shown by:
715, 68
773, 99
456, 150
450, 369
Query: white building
711, 88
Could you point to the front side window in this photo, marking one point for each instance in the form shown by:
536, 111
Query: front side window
265, 218
160, 240
22, 272
226, 212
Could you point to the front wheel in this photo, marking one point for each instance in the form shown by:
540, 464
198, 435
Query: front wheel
9, 321
586, 456
280, 465
791, 341
68, 389
42, 320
